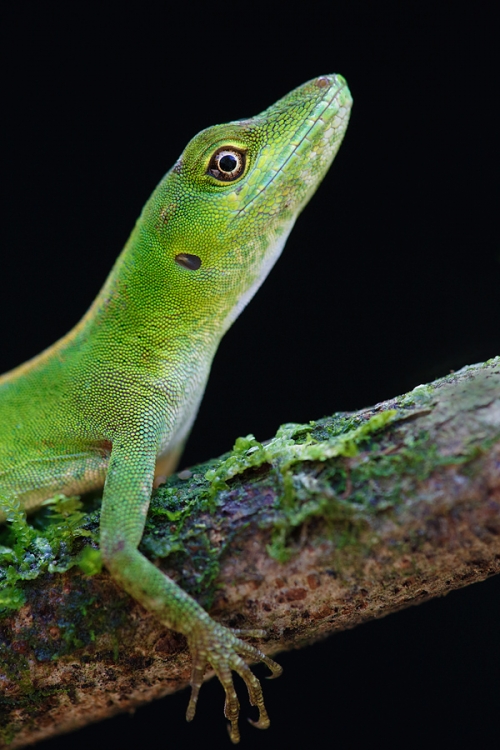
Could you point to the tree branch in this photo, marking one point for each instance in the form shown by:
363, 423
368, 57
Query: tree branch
327, 526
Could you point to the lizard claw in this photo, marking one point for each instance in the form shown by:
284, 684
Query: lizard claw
249, 632
200, 664
213, 644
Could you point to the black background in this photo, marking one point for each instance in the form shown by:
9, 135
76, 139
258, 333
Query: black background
389, 279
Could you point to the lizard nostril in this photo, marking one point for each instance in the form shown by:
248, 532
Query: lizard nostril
323, 82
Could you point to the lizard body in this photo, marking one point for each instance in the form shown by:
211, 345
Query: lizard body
113, 401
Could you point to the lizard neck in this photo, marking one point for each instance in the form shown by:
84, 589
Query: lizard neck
139, 310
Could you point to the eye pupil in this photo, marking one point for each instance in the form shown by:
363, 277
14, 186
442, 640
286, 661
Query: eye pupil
228, 163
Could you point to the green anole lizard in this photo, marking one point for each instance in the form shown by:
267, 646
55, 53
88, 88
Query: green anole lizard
113, 401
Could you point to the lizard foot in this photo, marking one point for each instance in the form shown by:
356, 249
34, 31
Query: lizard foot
213, 644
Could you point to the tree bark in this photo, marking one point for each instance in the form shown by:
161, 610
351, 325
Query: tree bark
404, 511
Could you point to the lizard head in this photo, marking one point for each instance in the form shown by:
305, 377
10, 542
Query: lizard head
222, 214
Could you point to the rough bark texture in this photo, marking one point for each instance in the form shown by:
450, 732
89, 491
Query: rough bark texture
300, 549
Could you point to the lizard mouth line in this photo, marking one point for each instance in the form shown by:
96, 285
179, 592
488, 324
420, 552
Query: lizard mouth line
328, 103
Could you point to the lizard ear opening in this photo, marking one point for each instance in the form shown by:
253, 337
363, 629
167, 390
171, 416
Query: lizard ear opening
186, 260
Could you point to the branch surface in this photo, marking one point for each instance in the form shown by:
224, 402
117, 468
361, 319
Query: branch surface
327, 526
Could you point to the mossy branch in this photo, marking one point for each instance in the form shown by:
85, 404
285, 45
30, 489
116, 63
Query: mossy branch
326, 526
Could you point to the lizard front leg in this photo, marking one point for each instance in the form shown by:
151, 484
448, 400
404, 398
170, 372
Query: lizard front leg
125, 503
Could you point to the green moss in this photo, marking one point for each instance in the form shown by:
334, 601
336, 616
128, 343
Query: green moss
186, 503
49, 542
301, 495
293, 443
364, 469
90, 561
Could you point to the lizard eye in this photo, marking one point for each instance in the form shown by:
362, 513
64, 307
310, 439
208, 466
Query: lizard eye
227, 164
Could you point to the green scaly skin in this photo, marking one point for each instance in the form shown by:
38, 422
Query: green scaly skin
113, 401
